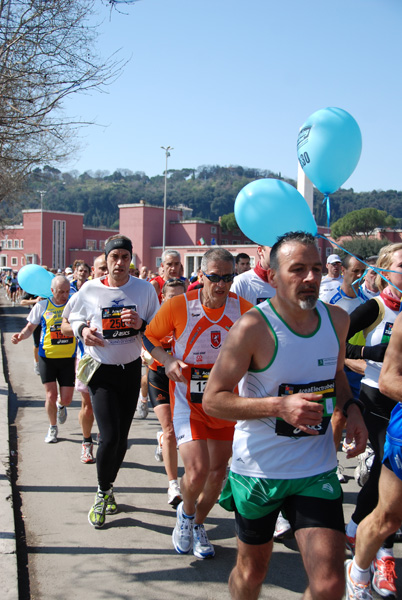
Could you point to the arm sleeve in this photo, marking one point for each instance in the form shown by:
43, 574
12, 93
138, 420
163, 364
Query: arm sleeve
36, 312
363, 316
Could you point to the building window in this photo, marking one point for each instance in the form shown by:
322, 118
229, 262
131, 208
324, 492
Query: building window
102, 244
235, 242
14, 261
21, 244
9, 244
3, 261
59, 244
91, 244
236, 232
16, 243
3, 243
328, 251
224, 242
213, 229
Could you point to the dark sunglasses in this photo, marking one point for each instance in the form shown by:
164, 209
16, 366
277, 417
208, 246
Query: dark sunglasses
214, 278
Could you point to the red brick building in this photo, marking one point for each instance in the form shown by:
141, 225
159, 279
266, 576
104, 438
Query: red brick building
56, 239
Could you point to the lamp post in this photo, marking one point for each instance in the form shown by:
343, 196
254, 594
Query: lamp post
42, 193
164, 195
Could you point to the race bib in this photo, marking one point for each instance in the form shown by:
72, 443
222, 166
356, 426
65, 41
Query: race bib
387, 333
57, 338
113, 327
198, 381
326, 388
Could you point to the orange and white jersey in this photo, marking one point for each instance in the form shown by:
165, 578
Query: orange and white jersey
198, 335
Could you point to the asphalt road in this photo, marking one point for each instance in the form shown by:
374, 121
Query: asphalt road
132, 556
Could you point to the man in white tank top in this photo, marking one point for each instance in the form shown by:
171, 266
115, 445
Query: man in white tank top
288, 354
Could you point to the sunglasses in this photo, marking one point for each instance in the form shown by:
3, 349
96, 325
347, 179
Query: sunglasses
214, 278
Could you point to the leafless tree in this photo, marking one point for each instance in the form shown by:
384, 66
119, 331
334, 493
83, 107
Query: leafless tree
47, 52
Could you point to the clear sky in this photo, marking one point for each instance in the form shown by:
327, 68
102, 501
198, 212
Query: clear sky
230, 82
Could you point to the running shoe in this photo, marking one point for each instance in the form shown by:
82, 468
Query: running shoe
142, 409
202, 547
158, 449
51, 437
364, 464
182, 535
340, 474
96, 515
283, 529
61, 414
111, 505
351, 543
356, 591
174, 494
384, 576
87, 453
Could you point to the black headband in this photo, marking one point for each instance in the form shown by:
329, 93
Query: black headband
119, 244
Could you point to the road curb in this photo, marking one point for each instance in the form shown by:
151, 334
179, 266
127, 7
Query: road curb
8, 546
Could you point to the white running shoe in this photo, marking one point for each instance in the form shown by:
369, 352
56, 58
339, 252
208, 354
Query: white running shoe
142, 409
87, 453
364, 464
61, 414
51, 437
202, 547
340, 474
283, 529
182, 535
158, 449
356, 591
174, 494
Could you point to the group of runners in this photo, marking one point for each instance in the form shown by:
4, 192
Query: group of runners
249, 368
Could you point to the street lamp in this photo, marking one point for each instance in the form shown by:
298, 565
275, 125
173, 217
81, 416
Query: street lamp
42, 193
164, 196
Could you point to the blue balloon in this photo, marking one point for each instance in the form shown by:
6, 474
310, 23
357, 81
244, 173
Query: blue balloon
329, 147
268, 208
35, 280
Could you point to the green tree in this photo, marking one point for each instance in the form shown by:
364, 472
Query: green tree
228, 222
364, 246
362, 221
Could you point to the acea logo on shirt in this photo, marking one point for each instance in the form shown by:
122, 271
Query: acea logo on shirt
327, 362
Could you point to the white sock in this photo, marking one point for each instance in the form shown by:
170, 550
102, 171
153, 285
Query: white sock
351, 528
384, 552
359, 575
142, 398
172, 481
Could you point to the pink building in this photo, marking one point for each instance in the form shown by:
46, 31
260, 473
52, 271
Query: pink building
51, 238
56, 238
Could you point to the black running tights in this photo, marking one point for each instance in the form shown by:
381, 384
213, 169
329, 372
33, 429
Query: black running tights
377, 415
114, 392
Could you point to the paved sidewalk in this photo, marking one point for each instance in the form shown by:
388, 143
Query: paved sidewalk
132, 556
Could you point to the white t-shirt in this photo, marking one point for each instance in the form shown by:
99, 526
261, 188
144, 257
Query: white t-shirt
250, 286
339, 298
329, 284
101, 306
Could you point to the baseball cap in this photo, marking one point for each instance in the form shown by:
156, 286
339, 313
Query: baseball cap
333, 258
68, 271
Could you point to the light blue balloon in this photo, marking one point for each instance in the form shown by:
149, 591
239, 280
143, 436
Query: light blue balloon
329, 147
268, 208
35, 280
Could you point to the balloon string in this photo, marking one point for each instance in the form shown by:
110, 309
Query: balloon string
326, 199
373, 267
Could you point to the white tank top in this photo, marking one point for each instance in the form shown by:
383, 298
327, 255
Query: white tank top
378, 335
271, 448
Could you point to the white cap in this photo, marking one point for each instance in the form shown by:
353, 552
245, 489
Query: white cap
333, 258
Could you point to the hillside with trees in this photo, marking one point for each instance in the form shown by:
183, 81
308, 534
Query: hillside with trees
210, 190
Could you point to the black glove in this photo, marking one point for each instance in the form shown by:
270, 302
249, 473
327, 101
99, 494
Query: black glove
375, 353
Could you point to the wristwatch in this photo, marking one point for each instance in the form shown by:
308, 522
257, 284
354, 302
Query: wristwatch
358, 403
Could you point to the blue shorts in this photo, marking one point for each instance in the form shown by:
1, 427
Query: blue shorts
393, 457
